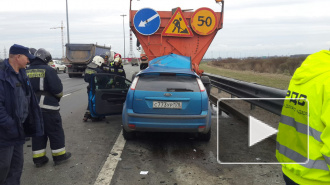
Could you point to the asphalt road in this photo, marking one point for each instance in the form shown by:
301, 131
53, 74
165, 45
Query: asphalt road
168, 158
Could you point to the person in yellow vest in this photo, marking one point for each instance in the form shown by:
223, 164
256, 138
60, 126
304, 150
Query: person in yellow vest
303, 140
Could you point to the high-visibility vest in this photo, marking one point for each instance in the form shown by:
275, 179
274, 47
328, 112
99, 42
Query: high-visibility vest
304, 128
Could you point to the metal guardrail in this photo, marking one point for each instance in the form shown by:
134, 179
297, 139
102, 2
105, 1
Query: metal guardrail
243, 89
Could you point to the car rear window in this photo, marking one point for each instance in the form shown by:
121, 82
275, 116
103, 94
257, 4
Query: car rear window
168, 83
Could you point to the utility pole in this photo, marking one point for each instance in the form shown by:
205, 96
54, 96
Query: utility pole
62, 38
67, 21
124, 32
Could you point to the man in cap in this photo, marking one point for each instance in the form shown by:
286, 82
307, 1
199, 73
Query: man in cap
20, 114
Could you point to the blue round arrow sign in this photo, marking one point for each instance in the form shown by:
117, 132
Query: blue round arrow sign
146, 21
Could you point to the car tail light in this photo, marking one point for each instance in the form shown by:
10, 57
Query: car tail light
131, 126
134, 83
53, 65
201, 85
68, 65
201, 128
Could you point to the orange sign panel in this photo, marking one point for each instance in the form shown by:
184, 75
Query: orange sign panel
204, 21
177, 26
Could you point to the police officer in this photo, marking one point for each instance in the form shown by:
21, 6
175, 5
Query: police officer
303, 139
94, 67
20, 113
49, 90
116, 67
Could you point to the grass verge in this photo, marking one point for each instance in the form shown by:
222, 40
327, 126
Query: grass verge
271, 80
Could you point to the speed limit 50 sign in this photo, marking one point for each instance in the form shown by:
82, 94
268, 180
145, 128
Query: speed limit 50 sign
203, 21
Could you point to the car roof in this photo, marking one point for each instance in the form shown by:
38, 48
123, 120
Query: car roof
171, 63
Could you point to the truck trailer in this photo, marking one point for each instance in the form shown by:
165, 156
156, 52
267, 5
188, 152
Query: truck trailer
79, 55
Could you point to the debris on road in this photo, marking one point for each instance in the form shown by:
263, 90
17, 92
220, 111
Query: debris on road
144, 173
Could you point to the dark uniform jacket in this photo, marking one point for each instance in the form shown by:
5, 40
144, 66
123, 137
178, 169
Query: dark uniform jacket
117, 69
89, 71
46, 84
12, 131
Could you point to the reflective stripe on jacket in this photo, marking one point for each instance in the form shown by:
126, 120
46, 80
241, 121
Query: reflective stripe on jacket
117, 69
304, 129
89, 71
46, 84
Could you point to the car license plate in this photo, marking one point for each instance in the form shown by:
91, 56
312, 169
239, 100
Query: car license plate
166, 105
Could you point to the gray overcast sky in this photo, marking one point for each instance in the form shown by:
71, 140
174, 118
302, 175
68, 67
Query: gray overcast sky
251, 28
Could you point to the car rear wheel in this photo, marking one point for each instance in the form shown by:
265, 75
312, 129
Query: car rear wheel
205, 137
129, 135
57, 70
64, 71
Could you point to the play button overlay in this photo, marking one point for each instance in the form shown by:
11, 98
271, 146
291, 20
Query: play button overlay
247, 133
258, 131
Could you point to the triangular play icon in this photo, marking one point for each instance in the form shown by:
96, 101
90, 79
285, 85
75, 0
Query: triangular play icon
178, 26
259, 131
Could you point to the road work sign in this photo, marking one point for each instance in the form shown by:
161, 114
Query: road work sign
204, 21
177, 26
146, 21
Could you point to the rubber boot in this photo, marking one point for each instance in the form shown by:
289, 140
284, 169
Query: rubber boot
87, 116
61, 158
40, 161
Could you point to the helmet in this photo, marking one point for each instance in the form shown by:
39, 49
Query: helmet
44, 55
117, 55
32, 51
105, 57
98, 60
117, 58
144, 58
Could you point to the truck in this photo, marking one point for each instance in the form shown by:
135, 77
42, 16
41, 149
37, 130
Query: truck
79, 55
183, 32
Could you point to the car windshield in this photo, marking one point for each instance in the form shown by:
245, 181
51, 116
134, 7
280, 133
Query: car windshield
168, 83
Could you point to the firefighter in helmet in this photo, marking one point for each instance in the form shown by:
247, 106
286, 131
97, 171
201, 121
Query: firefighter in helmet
96, 66
49, 90
116, 66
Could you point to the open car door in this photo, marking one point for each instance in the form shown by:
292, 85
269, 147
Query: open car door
107, 94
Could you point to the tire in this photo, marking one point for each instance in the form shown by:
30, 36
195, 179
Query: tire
57, 70
70, 75
207, 84
143, 66
129, 135
205, 137
64, 71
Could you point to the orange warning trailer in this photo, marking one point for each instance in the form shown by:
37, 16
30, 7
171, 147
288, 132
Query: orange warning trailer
180, 32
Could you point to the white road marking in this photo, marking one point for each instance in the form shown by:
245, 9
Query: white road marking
66, 95
108, 169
